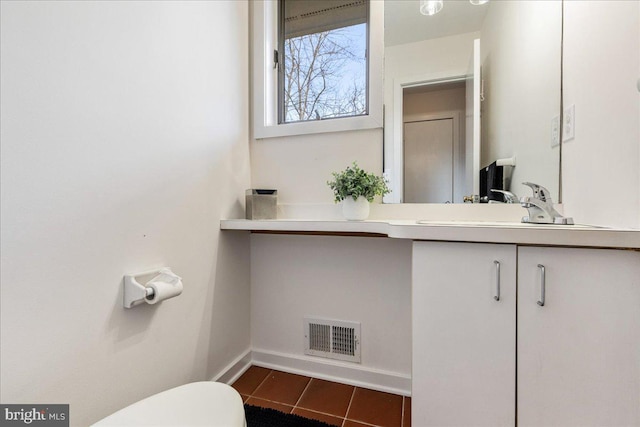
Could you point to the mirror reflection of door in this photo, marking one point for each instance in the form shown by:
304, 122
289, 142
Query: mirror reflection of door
428, 161
434, 143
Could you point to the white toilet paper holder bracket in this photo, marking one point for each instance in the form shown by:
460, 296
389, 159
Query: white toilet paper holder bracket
134, 292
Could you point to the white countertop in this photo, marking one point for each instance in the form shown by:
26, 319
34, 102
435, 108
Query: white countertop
461, 231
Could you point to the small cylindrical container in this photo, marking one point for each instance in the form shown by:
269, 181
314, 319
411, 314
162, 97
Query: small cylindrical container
261, 204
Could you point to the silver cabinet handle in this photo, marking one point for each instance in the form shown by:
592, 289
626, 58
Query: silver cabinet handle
542, 284
497, 295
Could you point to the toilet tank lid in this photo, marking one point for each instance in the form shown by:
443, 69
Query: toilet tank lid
205, 403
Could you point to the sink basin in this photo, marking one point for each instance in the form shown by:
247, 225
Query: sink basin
504, 224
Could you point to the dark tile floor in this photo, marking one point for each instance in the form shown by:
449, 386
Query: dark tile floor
334, 403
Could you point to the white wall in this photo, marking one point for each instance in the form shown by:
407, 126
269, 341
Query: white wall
124, 140
362, 279
300, 166
600, 167
520, 48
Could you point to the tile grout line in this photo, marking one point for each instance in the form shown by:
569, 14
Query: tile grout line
272, 401
366, 424
259, 385
349, 407
318, 412
343, 418
295, 405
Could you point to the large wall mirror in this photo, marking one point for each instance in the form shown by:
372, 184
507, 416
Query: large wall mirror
438, 78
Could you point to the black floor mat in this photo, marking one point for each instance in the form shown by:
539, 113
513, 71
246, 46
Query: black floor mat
263, 417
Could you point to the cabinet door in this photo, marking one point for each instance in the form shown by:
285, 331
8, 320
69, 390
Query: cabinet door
579, 353
463, 370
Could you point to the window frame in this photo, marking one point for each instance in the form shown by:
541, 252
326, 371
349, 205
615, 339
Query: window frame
265, 78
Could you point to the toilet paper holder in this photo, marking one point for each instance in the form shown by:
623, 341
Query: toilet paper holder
135, 293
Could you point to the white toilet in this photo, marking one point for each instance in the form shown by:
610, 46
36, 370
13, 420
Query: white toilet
203, 403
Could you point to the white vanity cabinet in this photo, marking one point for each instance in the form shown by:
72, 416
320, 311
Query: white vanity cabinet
573, 361
464, 339
579, 353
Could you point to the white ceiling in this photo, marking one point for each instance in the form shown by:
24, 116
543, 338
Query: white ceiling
405, 24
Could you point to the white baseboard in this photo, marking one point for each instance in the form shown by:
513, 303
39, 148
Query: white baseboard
235, 369
342, 372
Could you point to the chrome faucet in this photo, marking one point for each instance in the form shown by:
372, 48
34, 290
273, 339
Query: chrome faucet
508, 196
540, 207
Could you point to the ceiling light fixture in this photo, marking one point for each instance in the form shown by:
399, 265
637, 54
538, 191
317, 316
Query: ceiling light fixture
430, 7
478, 2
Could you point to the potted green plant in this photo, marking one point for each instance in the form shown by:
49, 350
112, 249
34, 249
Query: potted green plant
356, 188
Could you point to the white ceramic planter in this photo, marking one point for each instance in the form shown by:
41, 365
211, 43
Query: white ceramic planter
355, 210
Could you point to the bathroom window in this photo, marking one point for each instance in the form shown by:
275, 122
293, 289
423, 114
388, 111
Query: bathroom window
322, 59
317, 66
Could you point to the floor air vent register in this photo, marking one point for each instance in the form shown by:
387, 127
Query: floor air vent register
333, 339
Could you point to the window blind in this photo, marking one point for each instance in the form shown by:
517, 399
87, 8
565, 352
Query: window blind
302, 17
